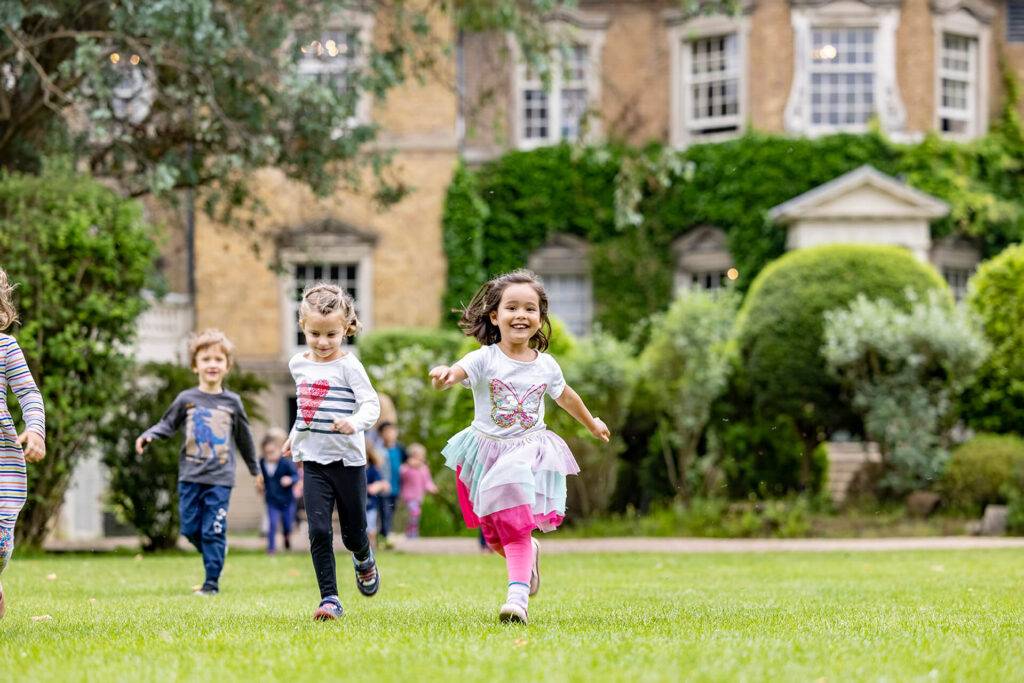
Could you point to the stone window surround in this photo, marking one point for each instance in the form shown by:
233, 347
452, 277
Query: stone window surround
711, 256
569, 255
327, 242
881, 15
681, 31
362, 24
584, 28
970, 19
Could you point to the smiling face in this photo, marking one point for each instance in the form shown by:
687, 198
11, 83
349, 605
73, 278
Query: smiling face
518, 315
324, 335
211, 364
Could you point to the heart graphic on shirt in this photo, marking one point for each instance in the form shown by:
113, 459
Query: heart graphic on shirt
310, 397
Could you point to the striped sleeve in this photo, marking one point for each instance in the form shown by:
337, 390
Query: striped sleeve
19, 379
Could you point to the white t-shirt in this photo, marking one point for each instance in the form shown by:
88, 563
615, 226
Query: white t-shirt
325, 391
508, 395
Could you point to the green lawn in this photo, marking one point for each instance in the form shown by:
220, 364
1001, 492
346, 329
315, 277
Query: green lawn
778, 616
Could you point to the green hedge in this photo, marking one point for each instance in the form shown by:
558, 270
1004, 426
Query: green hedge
782, 320
980, 470
495, 216
995, 402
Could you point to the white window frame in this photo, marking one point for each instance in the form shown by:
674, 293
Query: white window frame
883, 18
584, 29
314, 252
971, 20
683, 129
361, 24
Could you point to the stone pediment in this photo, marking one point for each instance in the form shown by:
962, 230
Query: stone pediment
703, 239
561, 253
864, 194
324, 233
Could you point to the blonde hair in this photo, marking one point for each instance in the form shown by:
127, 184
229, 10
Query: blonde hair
325, 298
417, 448
207, 338
8, 313
273, 435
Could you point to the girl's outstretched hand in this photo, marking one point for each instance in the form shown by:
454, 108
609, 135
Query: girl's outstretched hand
600, 430
33, 445
441, 376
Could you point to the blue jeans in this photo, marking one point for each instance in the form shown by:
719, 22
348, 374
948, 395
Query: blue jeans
285, 516
204, 522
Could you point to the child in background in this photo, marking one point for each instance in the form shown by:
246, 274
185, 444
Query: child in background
416, 483
394, 456
336, 403
15, 449
280, 476
510, 469
215, 425
376, 486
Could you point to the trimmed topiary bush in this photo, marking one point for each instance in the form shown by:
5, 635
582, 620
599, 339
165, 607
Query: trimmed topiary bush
980, 470
995, 402
781, 329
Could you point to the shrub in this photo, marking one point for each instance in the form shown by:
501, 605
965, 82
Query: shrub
995, 402
980, 469
144, 488
374, 347
80, 255
903, 370
686, 365
600, 369
781, 326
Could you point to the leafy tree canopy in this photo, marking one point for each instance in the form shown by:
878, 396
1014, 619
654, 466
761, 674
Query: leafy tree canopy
170, 94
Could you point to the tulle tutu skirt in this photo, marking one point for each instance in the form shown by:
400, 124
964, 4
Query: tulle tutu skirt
511, 485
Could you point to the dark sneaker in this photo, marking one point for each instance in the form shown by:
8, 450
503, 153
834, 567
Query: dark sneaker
535, 570
207, 589
329, 610
512, 613
367, 577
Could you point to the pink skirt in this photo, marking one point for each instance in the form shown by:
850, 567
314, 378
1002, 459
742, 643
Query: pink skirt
510, 486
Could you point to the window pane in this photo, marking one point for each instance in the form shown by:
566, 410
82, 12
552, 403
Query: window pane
330, 60
535, 114
842, 76
714, 81
574, 105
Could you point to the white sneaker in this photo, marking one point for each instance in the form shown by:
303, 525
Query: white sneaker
512, 613
535, 569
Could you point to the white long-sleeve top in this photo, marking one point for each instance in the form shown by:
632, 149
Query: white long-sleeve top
324, 392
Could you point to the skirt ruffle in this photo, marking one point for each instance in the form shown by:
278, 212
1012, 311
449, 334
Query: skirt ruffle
514, 485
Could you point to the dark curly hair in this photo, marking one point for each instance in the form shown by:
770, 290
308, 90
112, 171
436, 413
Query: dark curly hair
476, 317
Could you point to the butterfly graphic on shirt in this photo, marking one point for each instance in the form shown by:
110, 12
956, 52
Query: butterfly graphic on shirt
509, 408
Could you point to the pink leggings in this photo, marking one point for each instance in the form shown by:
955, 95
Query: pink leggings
518, 554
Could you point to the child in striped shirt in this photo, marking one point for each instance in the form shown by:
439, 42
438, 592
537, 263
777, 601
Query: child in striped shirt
336, 403
15, 449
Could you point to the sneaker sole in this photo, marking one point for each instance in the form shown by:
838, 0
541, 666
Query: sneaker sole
510, 618
324, 615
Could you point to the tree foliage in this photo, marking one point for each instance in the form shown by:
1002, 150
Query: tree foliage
904, 370
169, 94
686, 366
144, 488
782, 322
80, 255
995, 401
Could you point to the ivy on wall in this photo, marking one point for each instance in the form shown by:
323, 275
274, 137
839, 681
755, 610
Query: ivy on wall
497, 214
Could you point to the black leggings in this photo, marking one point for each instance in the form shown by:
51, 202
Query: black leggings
325, 486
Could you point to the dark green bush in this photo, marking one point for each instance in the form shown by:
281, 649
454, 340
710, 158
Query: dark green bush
781, 325
144, 488
995, 401
980, 469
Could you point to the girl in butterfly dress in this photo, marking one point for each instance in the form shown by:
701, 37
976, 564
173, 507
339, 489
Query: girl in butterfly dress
336, 403
510, 469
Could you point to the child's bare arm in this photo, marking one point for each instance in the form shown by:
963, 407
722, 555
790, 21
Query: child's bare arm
571, 402
445, 376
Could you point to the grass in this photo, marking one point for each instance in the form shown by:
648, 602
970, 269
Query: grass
772, 616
